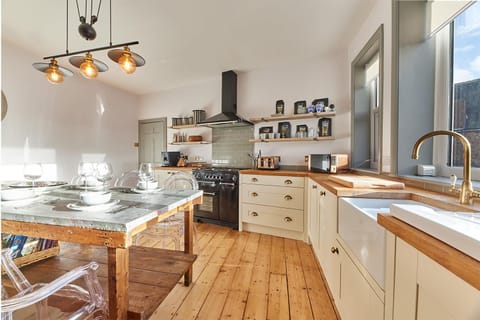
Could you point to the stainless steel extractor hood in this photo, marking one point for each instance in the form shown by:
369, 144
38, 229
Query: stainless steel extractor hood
228, 116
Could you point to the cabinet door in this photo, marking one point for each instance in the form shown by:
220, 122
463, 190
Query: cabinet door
313, 216
357, 300
444, 296
327, 205
152, 141
162, 175
405, 281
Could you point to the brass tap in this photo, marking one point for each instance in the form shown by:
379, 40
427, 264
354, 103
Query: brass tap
467, 194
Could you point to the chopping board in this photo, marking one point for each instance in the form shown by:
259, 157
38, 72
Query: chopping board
354, 181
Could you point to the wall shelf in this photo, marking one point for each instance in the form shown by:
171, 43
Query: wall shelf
293, 139
190, 142
187, 126
294, 116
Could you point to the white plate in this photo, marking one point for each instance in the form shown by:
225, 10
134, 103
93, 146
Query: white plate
38, 184
136, 190
87, 187
21, 202
79, 206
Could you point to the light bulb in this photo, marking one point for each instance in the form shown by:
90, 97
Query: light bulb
53, 74
88, 69
126, 62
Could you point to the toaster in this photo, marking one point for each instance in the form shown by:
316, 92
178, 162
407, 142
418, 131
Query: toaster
271, 162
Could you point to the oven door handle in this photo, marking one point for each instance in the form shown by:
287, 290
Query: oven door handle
227, 183
209, 193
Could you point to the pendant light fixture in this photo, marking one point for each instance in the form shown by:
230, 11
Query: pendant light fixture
90, 67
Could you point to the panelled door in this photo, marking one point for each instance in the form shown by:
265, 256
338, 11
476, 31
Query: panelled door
152, 140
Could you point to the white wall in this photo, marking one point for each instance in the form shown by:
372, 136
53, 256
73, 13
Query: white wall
380, 13
258, 90
59, 125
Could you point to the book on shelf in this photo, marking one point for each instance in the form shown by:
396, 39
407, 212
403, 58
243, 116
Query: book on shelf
22, 245
17, 245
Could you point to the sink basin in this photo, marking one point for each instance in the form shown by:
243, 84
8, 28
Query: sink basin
358, 228
461, 230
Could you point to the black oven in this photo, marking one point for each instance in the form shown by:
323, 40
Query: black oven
220, 196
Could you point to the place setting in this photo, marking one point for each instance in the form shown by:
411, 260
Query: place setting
138, 181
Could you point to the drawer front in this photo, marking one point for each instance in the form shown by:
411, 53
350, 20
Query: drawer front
273, 217
296, 182
273, 196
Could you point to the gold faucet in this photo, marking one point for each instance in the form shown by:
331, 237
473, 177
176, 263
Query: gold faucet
467, 194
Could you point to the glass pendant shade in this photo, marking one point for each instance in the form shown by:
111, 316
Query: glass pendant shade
126, 62
88, 68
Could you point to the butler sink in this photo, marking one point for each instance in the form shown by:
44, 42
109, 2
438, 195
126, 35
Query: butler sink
358, 228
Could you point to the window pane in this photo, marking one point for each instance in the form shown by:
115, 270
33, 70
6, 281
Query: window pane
466, 78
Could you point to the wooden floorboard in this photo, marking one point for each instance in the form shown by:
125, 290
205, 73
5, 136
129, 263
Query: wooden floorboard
237, 275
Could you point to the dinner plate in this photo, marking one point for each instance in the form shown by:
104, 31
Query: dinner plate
38, 184
20, 202
87, 187
136, 190
79, 206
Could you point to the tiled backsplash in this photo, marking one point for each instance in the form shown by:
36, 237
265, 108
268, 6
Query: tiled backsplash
230, 147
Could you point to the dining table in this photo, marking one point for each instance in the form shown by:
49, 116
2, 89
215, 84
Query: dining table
58, 214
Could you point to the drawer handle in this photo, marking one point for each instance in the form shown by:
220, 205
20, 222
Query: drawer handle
288, 197
253, 214
323, 193
334, 250
254, 179
287, 219
254, 194
288, 181
314, 187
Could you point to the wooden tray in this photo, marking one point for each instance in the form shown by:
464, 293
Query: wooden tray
355, 181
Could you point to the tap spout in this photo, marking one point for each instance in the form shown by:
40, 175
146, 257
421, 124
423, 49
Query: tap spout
466, 191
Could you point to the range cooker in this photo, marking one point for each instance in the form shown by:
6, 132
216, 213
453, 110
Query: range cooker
220, 196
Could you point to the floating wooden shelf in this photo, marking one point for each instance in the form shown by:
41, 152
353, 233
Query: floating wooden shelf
294, 116
187, 126
37, 256
190, 142
293, 139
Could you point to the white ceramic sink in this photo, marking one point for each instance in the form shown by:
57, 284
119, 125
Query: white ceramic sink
358, 228
461, 230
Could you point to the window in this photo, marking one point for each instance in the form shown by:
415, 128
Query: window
459, 45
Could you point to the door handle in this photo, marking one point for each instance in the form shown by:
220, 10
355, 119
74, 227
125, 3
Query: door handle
287, 219
253, 214
288, 181
209, 193
334, 250
288, 197
314, 187
254, 194
227, 183
254, 179
323, 193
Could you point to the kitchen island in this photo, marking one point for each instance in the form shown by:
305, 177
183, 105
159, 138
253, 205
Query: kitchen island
49, 217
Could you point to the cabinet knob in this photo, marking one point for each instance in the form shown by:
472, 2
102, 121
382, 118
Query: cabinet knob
288, 197
253, 214
314, 186
323, 193
288, 181
287, 219
334, 250
254, 180
254, 194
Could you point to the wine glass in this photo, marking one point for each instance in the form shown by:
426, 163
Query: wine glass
85, 170
145, 172
32, 171
104, 173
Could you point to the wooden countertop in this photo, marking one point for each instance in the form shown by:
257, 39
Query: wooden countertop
174, 168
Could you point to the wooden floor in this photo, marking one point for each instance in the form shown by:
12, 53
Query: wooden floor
243, 275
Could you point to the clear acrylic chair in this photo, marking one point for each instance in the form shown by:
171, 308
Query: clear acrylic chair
59, 299
172, 228
128, 179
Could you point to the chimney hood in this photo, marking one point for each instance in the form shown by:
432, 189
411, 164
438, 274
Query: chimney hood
228, 117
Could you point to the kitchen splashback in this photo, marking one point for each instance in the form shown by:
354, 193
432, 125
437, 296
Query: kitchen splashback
230, 147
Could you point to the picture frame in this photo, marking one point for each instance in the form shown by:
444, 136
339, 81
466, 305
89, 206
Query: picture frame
325, 127
285, 129
300, 107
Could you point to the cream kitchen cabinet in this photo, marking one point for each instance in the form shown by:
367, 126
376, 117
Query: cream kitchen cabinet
273, 205
322, 232
425, 290
161, 174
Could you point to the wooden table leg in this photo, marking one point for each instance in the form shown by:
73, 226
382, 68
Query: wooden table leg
118, 283
188, 240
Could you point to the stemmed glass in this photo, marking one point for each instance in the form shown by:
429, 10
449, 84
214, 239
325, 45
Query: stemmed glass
104, 173
85, 170
145, 172
32, 171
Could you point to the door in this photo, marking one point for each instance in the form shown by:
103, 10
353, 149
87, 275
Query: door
152, 140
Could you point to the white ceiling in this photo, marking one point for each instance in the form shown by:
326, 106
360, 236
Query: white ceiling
187, 41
